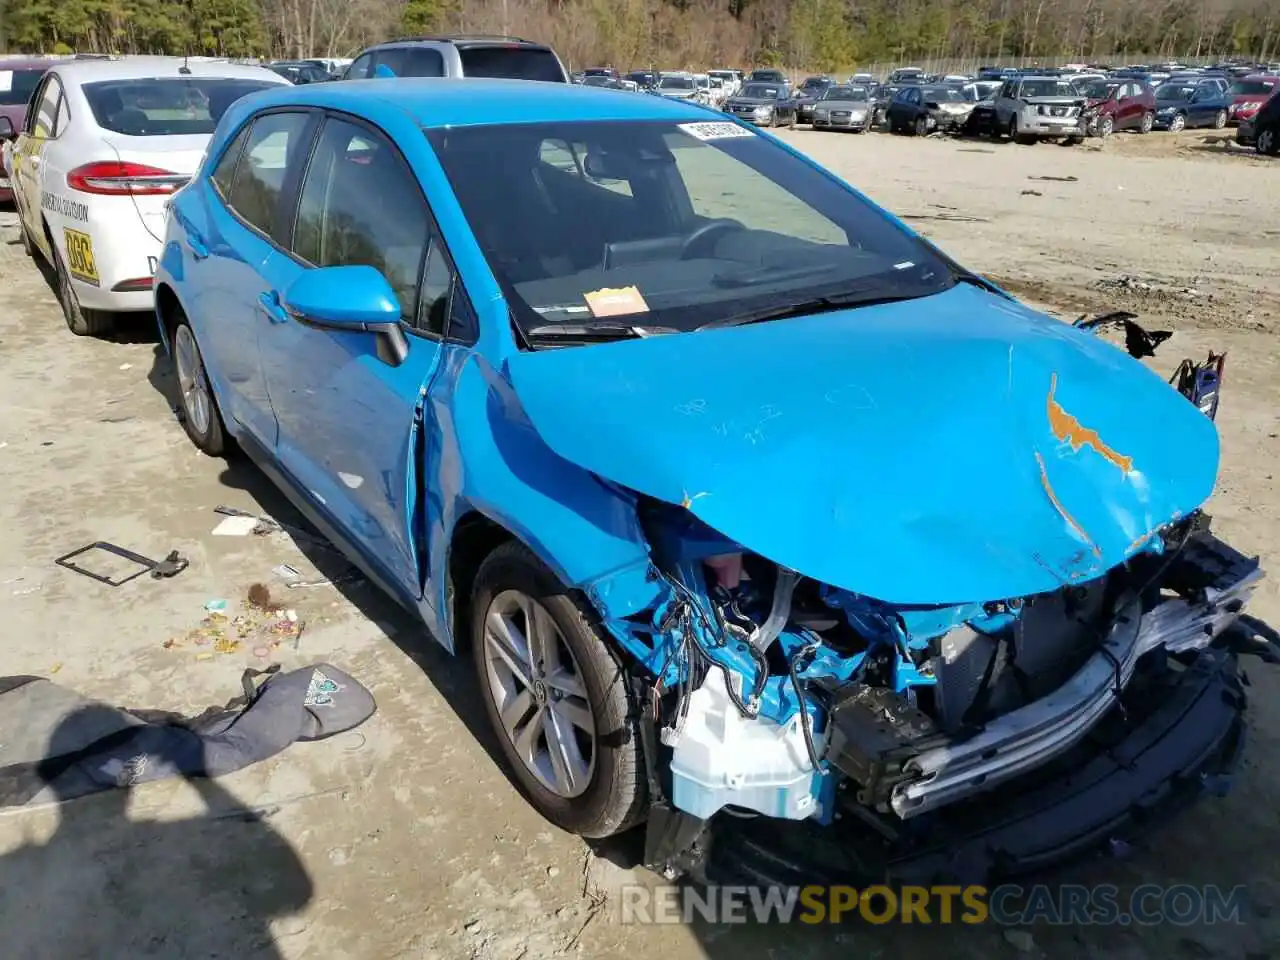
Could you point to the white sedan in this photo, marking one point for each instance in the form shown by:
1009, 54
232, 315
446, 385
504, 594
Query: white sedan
103, 145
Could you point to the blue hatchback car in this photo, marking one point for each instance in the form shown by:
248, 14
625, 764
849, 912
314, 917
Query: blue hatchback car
737, 489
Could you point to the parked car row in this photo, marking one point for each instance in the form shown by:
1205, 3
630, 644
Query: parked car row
1020, 104
392, 296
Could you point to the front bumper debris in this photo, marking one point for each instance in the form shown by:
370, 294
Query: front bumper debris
1216, 582
1139, 766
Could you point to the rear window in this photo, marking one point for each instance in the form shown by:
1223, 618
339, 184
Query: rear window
16, 86
167, 106
511, 63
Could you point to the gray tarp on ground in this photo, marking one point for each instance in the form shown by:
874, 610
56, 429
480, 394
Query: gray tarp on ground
57, 745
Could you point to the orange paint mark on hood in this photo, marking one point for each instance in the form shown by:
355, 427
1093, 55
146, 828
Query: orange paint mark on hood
1069, 430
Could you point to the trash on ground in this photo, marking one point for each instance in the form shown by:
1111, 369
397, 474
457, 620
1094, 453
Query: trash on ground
957, 217
263, 625
259, 596
1067, 179
286, 572
1032, 193
172, 564
235, 527
216, 606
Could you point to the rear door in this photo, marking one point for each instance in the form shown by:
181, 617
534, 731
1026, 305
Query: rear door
236, 254
29, 158
350, 423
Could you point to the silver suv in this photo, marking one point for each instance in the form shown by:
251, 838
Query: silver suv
1035, 107
495, 57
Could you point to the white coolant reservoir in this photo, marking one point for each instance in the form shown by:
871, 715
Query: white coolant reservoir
722, 758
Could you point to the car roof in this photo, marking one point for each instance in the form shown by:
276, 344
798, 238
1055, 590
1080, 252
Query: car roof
30, 63
439, 102
135, 68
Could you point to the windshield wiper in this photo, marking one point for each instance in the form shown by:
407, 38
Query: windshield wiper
591, 332
803, 308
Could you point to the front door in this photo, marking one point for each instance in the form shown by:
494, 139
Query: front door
349, 419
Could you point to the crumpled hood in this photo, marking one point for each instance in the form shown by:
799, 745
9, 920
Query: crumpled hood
954, 448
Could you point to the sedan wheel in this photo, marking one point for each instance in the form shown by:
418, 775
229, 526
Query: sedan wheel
922, 127
1220, 120
1177, 123
1266, 142
200, 416
556, 696
1148, 121
1106, 126
81, 322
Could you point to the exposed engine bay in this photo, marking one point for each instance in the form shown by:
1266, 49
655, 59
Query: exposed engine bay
779, 696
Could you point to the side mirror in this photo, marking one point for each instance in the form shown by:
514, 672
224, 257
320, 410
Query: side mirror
355, 299
6, 129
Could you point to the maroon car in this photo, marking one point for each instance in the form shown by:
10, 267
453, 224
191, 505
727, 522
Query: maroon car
1118, 104
18, 79
1248, 94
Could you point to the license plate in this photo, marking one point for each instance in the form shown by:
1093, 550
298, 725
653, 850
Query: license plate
80, 260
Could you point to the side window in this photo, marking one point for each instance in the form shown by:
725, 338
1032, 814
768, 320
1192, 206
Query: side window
45, 114
360, 204
224, 173
64, 116
259, 177
437, 289
361, 69
421, 62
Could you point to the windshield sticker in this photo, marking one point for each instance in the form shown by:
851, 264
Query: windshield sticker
715, 130
6, 81
615, 302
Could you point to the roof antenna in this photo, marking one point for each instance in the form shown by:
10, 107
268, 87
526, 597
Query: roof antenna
184, 69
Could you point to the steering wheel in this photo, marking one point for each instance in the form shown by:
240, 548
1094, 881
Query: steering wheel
697, 239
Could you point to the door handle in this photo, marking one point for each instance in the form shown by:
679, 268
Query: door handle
269, 303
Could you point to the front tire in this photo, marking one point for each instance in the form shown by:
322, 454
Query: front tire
922, 127
81, 322
1148, 121
1266, 143
201, 417
1220, 120
1106, 127
1178, 123
556, 696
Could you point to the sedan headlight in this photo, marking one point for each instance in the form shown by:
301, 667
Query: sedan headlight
1251, 105
764, 108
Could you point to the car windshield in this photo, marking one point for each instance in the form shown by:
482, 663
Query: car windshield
943, 95
814, 83
1048, 88
166, 106
845, 93
676, 83
1251, 87
16, 86
762, 91
669, 225
1174, 92
597, 80
1098, 89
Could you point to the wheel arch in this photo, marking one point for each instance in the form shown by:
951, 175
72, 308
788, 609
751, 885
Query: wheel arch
168, 310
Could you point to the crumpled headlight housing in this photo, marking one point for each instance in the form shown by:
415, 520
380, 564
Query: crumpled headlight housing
1251, 105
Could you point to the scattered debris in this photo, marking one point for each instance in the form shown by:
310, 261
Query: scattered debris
216, 606
286, 572
1067, 179
974, 150
259, 596
262, 627
126, 366
235, 527
957, 217
1032, 193
264, 525
1020, 940
56, 667
173, 563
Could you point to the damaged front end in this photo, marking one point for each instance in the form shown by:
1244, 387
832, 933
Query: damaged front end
949, 733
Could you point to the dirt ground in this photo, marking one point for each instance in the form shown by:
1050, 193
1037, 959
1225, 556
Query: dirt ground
404, 838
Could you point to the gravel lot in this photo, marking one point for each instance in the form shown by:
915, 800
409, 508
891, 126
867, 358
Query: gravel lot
404, 839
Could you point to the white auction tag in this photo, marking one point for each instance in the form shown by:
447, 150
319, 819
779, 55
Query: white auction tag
715, 130
6, 81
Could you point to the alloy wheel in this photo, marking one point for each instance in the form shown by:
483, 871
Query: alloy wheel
193, 384
1148, 121
1105, 126
1177, 123
1266, 142
1220, 120
539, 692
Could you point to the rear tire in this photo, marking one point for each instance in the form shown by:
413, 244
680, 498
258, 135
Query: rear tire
1148, 121
1178, 123
609, 792
1267, 143
922, 127
81, 322
201, 418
